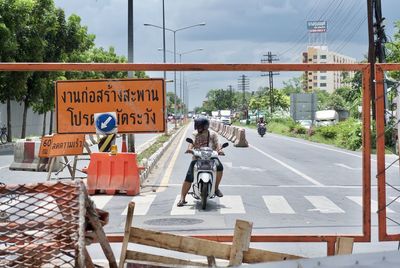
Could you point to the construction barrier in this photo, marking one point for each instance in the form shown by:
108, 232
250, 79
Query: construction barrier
241, 139
113, 173
26, 157
231, 133
237, 253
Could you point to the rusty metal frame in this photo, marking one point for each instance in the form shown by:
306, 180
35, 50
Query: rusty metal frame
380, 149
330, 239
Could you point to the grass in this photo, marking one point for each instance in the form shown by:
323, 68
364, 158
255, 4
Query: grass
154, 147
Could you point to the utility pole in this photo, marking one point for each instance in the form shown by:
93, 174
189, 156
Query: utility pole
269, 58
244, 84
371, 52
131, 137
230, 89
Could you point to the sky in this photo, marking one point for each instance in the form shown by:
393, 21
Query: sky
235, 31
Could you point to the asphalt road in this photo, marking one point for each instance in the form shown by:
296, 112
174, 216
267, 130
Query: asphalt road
281, 184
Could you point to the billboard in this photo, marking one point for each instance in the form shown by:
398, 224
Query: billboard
303, 106
318, 26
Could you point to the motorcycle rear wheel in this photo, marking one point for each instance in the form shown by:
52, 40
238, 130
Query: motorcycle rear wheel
204, 194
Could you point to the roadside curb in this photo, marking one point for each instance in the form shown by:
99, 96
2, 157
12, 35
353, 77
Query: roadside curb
153, 159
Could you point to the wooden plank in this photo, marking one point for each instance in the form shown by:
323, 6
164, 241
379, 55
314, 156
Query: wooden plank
258, 255
98, 229
179, 243
211, 261
128, 225
241, 241
344, 245
146, 257
88, 259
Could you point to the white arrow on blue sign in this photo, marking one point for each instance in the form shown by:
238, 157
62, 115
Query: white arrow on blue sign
106, 123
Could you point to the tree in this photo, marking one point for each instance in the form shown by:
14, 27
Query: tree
293, 85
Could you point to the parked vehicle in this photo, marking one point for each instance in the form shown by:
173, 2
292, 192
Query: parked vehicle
225, 117
261, 129
326, 118
205, 172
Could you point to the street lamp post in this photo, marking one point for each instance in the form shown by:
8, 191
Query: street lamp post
180, 61
173, 31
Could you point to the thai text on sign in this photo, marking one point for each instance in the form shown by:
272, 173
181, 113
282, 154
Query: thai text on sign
138, 103
62, 145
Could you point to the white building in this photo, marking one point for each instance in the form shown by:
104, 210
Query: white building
324, 80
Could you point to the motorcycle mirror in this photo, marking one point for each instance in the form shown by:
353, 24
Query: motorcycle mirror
225, 145
189, 140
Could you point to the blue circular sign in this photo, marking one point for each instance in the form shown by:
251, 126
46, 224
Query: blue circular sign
106, 123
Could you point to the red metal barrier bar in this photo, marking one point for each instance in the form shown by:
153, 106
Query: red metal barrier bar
380, 148
177, 67
366, 155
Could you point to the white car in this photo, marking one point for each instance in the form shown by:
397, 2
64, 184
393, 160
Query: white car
305, 123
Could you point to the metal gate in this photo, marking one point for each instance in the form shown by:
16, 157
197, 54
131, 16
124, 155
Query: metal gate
366, 129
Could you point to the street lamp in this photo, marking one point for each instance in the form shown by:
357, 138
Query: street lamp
173, 31
180, 61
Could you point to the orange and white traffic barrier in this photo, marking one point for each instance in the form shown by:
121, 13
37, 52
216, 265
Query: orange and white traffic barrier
113, 173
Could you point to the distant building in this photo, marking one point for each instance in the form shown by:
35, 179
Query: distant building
324, 80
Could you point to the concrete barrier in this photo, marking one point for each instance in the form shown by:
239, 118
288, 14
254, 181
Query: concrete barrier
26, 157
241, 139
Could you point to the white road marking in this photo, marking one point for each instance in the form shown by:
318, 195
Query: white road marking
277, 204
345, 166
101, 200
374, 204
230, 165
4, 167
142, 205
304, 176
323, 204
165, 180
188, 209
232, 204
285, 186
323, 147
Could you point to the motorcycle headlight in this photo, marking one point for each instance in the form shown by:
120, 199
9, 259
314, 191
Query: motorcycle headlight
206, 154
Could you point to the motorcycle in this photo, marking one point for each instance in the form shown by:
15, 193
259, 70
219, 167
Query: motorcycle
205, 171
261, 129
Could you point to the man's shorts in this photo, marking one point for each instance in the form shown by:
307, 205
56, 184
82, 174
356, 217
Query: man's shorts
189, 174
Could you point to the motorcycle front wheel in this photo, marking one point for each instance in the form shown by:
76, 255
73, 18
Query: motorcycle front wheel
204, 194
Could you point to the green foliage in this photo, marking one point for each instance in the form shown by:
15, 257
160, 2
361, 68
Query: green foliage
293, 85
349, 134
327, 132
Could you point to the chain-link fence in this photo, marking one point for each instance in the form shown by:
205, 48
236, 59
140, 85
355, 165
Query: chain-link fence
39, 225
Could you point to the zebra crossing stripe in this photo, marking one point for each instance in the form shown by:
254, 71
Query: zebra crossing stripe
231, 204
323, 204
101, 200
374, 204
277, 204
188, 209
142, 205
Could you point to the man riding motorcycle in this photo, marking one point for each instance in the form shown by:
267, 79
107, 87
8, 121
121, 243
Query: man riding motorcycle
202, 137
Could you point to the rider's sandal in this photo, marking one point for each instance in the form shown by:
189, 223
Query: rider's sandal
181, 203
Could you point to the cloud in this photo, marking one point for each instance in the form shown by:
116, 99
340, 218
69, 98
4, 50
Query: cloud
236, 31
